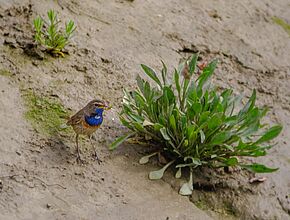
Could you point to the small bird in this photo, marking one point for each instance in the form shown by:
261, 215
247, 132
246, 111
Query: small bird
86, 121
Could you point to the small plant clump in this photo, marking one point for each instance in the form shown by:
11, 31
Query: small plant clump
49, 34
193, 123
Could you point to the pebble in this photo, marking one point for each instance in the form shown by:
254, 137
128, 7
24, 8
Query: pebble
18, 152
257, 179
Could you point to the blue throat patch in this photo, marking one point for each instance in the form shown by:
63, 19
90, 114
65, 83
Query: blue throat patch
96, 118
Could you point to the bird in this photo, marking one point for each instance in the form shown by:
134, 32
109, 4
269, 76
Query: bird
86, 121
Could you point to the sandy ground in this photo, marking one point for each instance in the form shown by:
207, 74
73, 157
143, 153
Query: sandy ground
39, 178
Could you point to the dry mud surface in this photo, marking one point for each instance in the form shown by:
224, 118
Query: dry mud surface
39, 178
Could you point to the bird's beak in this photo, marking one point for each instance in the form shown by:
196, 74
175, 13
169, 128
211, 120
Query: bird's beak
107, 106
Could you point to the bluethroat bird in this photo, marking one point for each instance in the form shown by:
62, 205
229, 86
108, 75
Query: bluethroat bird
86, 121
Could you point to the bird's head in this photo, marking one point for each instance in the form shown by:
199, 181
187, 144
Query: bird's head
99, 104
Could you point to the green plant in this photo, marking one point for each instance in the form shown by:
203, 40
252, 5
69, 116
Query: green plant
49, 34
192, 123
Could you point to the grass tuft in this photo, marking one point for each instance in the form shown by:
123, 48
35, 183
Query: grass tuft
50, 35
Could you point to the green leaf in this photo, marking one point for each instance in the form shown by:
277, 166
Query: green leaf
215, 121
231, 161
120, 140
146, 158
124, 122
177, 83
140, 83
187, 188
250, 130
197, 107
258, 168
169, 94
191, 93
192, 63
178, 174
258, 153
190, 131
250, 104
172, 122
138, 127
232, 120
147, 123
69, 28
157, 126
270, 134
38, 24
139, 100
214, 103
164, 73
186, 165
185, 87
136, 118
51, 16
150, 72
202, 136
147, 91
158, 174
220, 138
196, 161
204, 117
229, 147
164, 134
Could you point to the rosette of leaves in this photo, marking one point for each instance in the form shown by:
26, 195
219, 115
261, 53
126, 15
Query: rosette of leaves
50, 35
193, 123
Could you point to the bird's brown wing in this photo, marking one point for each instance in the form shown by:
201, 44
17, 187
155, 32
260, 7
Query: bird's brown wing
76, 119
81, 114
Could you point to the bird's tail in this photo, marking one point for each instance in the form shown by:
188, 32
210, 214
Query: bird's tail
69, 121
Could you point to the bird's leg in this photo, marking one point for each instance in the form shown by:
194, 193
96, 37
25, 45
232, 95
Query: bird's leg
95, 151
79, 159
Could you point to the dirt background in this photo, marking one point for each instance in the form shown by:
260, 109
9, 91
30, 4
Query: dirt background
39, 178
